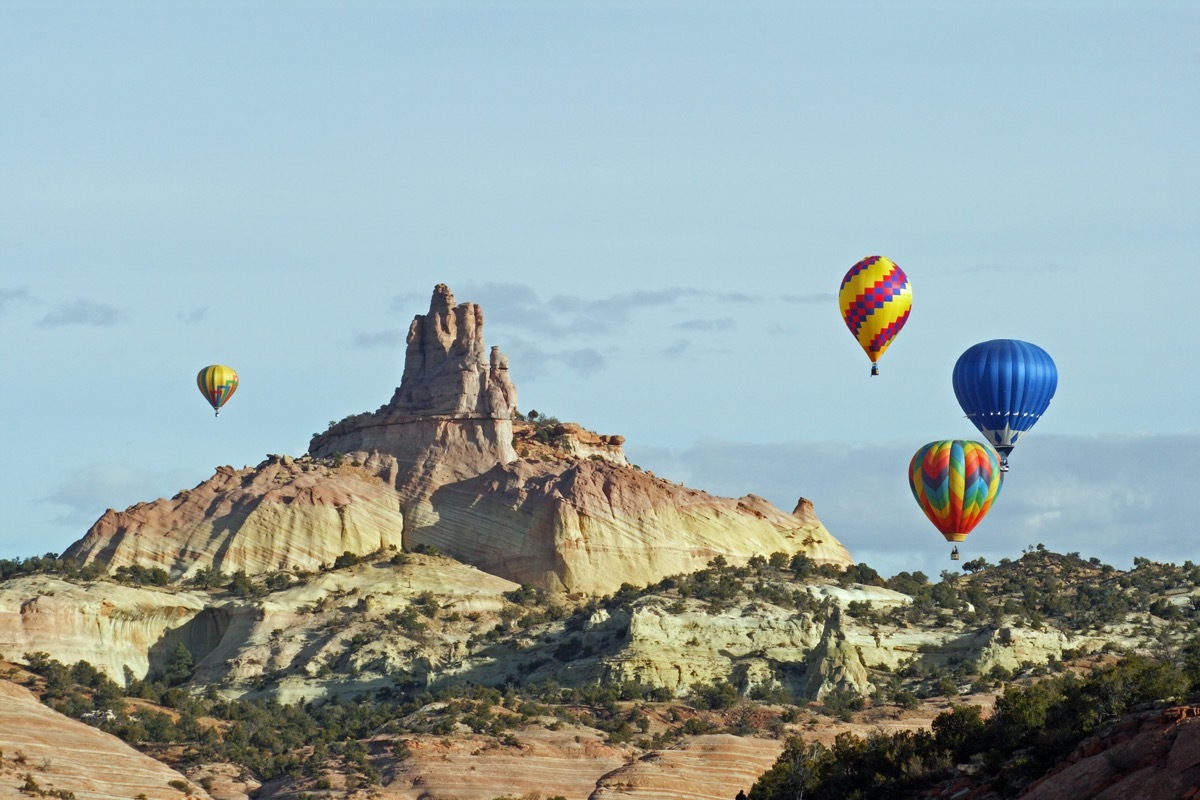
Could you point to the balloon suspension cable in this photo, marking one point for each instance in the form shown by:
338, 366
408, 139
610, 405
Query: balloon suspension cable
874, 368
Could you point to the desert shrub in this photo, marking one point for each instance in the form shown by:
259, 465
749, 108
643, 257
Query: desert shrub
715, 696
137, 575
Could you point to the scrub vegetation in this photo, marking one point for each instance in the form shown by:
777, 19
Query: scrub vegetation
1048, 707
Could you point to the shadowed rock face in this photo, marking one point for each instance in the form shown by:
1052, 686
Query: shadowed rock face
1154, 756
436, 466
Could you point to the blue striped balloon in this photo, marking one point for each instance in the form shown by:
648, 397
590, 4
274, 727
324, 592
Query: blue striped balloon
1004, 386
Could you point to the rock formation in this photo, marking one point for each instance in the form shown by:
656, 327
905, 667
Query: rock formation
703, 767
1150, 755
437, 466
836, 665
451, 417
118, 629
680, 648
284, 514
62, 755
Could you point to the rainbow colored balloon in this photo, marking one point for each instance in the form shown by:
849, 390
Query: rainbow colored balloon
875, 299
955, 483
217, 383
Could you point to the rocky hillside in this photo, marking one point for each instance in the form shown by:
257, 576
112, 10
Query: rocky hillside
454, 683
448, 599
449, 463
48, 754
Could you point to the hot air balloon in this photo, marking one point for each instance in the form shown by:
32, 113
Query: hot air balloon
955, 483
1004, 387
217, 383
875, 300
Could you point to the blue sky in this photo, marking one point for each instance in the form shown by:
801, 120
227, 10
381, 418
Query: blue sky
653, 202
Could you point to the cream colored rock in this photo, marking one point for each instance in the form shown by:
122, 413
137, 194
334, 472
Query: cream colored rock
63, 755
590, 526
682, 648
336, 634
118, 629
285, 514
836, 664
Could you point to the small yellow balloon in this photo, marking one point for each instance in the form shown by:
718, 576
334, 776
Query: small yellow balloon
217, 383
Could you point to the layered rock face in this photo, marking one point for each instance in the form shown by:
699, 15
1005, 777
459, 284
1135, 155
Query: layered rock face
437, 466
64, 756
703, 767
118, 629
283, 514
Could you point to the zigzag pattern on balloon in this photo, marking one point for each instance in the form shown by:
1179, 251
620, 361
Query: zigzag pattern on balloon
955, 483
885, 336
875, 300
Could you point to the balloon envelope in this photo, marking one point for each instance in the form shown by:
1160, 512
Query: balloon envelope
955, 483
875, 299
1004, 386
217, 383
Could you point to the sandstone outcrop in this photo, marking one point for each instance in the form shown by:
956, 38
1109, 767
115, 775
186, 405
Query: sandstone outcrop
437, 466
679, 648
60, 754
118, 629
1150, 755
1154, 755
451, 417
336, 634
284, 514
714, 767
836, 664
546, 763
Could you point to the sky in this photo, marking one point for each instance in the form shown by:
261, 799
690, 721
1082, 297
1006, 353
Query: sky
653, 202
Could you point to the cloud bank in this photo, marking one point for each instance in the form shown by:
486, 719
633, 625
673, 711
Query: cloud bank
1110, 497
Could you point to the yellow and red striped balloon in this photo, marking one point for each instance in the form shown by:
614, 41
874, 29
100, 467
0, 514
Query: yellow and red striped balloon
217, 383
955, 483
875, 299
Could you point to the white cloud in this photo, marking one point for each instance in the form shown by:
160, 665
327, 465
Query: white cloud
82, 312
391, 338
706, 325
811, 298
10, 297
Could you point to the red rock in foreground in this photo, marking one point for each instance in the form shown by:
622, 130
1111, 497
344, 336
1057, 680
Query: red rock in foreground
59, 753
1149, 756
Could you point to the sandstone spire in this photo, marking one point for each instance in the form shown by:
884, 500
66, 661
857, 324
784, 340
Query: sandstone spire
445, 370
436, 466
455, 402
